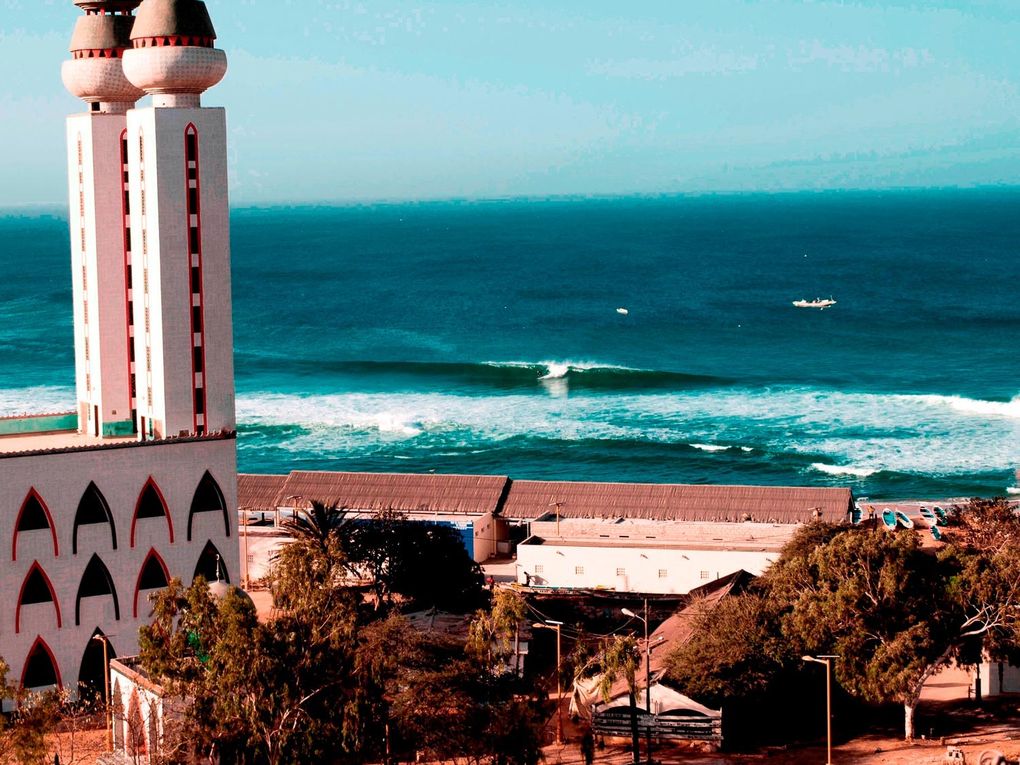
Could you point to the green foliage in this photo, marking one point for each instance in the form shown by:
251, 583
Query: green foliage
494, 635
893, 611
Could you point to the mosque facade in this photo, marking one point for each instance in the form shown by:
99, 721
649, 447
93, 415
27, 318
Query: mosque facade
101, 506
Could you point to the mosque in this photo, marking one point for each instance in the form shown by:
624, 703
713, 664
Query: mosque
103, 505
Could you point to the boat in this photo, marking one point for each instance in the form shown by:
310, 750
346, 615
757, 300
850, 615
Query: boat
816, 303
889, 518
928, 516
857, 516
622, 311
905, 522
941, 514
936, 534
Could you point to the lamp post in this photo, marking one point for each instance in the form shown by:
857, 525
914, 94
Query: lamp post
648, 674
551, 625
106, 684
827, 661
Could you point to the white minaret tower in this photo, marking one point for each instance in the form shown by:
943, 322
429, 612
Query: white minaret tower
100, 244
180, 240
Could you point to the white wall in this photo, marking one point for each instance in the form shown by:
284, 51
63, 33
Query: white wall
644, 569
120, 473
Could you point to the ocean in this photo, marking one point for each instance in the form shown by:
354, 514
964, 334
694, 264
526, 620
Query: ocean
486, 337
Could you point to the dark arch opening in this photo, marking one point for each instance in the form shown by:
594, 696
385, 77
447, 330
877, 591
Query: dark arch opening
93, 670
96, 581
40, 667
36, 588
208, 499
92, 508
210, 565
33, 516
154, 575
151, 505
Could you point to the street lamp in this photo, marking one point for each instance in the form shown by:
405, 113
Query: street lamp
648, 673
549, 624
106, 684
827, 661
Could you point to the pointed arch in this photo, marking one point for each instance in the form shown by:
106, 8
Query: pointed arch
33, 515
208, 499
36, 588
96, 580
95, 665
210, 565
92, 508
153, 575
40, 668
151, 504
117, 712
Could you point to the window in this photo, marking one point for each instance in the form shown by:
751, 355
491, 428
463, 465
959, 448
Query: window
193, 241
578, 570
208, 499
199, 400
196, 318
191, 145
539, 568
621, 572
704, 575
198, 359
663, 573
193, 200
196, 278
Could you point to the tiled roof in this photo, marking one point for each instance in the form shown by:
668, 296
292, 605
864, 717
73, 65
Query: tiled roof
258, 491
676, 502
405, 492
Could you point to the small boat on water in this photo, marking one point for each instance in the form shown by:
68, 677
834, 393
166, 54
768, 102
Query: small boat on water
936, 534
941, 514
928, 516
889, 519
819, 303
904, 521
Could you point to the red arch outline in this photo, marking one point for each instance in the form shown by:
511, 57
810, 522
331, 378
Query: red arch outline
166, 509
53, 659
191, 129
49, 518
138, 582
21, 593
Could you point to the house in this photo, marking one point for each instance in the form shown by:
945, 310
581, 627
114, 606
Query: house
662, 711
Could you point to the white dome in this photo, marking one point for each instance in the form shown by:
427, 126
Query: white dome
98, 79
173, 69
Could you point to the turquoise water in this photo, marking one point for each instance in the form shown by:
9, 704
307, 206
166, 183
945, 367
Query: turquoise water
485, 337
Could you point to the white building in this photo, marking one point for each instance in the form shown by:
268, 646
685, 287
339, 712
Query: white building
101, 506
657, 538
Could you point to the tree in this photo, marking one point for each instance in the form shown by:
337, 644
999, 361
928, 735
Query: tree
617, 658
494, 635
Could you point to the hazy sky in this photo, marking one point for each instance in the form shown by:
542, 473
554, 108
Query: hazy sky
393, 100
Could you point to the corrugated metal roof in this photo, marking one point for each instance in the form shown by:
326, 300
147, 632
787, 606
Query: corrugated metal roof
405, 492
677, 502
258, 491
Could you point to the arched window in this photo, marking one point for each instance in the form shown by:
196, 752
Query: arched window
94, 582
92, 508
40, 670
33, 516
208, 499
153, 576
151, 505
210, 565
93, 669
136, 727
117, 710
37, 588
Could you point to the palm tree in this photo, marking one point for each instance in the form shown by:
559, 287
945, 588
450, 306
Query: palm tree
620, 657
318, 524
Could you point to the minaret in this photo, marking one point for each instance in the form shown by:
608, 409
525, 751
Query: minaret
100, 242
180, 241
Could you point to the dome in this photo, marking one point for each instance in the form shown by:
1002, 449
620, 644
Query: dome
173, 70
172, 18
219, 589
101, 32
98, 80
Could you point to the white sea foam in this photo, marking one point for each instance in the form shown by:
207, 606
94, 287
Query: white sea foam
710, 447
860, 432
980, 407
857, 472
555, 371
1013, 489
39, 399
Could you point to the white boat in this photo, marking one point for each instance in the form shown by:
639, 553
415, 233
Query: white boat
622, 311
816, 303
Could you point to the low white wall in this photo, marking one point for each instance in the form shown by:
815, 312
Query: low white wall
632, 569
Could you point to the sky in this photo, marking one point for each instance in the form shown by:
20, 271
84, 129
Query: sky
384, 100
